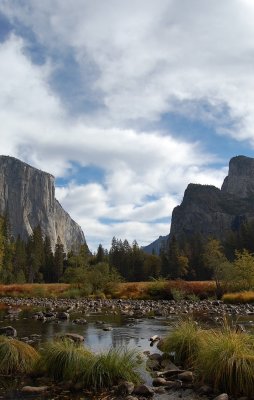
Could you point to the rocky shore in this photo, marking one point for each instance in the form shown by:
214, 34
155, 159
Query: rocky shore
168, 380
136, 308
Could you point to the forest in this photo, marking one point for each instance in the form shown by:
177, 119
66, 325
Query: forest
192, 258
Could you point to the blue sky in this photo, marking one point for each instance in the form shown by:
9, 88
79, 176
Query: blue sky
126, 103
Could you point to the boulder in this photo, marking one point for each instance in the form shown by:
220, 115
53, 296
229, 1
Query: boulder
34, 389
8, 331
143, 390
74, 336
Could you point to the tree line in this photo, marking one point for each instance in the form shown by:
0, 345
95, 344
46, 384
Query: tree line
34, 260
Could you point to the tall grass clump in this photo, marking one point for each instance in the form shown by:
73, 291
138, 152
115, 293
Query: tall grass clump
109, 368
64, 359
184, 341
16, 357
226, 360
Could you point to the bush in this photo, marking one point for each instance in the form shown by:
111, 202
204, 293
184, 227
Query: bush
16, 356
226, 360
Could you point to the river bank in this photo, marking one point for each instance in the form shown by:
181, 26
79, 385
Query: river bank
105, 323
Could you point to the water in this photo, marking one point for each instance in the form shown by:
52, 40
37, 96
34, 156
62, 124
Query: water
126, 331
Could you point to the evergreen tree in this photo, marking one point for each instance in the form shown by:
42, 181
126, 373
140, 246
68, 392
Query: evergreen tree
48, 264
20, 261
35, 251
58, 260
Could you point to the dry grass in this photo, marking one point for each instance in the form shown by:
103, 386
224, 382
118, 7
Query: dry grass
240, 297
139, 290
126, 290
34, 289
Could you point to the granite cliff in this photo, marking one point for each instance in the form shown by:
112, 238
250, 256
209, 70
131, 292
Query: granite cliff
212, 212
209, 211
27, 196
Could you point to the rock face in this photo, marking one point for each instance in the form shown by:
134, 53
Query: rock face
27, 196
209, 211
155, 246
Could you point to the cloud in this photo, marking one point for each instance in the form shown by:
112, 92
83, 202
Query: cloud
153, 58
148, 59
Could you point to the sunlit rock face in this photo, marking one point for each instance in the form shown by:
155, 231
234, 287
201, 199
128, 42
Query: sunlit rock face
27, 197
209, 211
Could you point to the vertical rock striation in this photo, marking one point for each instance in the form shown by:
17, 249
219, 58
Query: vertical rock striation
27, 196
209, 211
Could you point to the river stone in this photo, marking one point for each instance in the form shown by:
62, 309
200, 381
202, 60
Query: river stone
143, 390
160, 344
74, 336
63, 315
124, 388
167, 364
155, 356
186, 376
8, 331
159, 382
205, 390
34, 389
153, 364
222, 396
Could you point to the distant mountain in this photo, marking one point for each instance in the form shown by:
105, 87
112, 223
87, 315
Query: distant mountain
27, 197
156, 246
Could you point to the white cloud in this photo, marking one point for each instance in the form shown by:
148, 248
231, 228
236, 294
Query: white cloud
150, 57
155, 57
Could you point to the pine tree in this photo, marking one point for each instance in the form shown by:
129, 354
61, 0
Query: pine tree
59, 257
35, 250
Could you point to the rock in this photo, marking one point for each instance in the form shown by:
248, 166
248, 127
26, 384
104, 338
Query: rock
34, 389
222, 396
154, 338
74, 336
143, 390
155, 356
63, 315
8, 331
160, 344
167, 364
124, 388
214, 212
153, 365
28, 196
205, 390
159, 382
186, 376
107, 328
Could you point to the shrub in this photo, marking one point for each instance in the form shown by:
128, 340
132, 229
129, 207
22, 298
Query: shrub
226, 360
16, 356
178, 294
108, 369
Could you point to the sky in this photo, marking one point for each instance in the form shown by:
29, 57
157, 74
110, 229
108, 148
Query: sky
126, 102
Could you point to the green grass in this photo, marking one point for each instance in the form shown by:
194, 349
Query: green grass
109, 368
63, 359
184, 341
16, 357
226, 360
